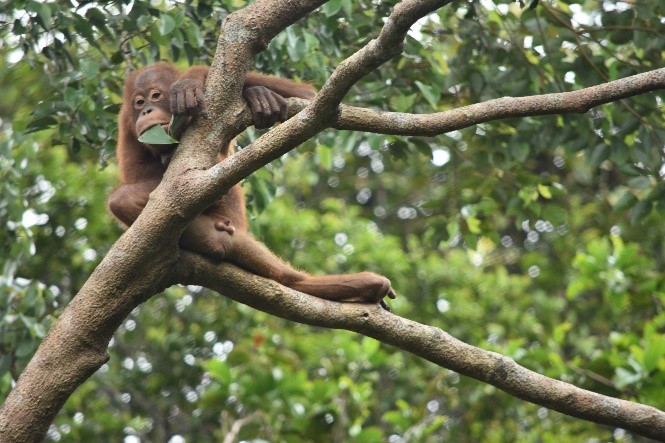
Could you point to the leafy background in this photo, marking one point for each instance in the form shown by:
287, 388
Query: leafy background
539, 238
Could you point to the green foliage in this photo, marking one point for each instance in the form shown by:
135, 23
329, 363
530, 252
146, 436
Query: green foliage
539, 238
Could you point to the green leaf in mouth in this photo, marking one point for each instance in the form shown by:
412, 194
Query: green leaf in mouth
156, 135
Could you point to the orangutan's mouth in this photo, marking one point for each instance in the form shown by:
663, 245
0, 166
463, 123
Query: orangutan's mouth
163, 125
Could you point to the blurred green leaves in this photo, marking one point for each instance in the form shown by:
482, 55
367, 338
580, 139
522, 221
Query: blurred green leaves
539, 238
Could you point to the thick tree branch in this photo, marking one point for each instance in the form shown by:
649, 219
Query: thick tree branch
427, 342
388, 44
141, 262
146, 258
242, 35
282, 139
323, 109
580, 101
76, 345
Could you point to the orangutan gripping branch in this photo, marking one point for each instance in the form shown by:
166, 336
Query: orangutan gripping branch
155, 93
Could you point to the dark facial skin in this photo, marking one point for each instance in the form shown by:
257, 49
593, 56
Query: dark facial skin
151, 101
153, 105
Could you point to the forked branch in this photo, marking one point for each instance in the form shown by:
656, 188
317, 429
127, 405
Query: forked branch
323, 109
427, 342
574, 102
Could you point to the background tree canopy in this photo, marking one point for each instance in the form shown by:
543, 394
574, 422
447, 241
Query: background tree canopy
540, 238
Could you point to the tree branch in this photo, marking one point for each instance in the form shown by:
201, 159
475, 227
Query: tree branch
140, 263
580, 101
424, 341
242, 35
323, 109
388, 44
146, 258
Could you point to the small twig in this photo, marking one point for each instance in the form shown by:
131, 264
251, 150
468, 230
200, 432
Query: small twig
232, 435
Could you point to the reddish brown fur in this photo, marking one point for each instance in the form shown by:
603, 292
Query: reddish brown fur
220, 232
135, 162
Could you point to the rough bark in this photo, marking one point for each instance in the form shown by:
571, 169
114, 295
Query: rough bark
146, 259
424, 125
140, 264
427, 342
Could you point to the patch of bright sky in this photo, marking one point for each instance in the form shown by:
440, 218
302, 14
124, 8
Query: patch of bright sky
45, 39
415, 33
440, 157
615, 6
579, 17
528, 41
31, 218
491, 6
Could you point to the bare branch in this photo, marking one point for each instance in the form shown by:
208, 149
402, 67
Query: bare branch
232, 435
427, 342
290, 134
146, 258
140, 263
398, 123
243, 35
323, 109
388, 44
